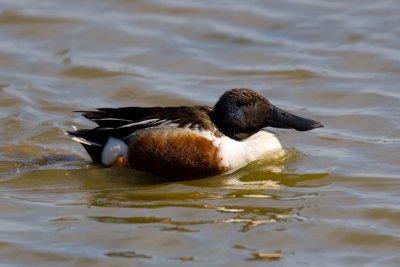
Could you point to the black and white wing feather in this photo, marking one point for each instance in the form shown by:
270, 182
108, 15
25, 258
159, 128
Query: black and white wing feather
121, 123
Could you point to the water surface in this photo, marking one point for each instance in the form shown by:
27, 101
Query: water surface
332, 201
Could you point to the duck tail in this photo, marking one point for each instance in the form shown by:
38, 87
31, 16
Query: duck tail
101, 146
93, 142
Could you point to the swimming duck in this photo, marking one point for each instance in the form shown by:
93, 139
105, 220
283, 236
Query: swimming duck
189, 141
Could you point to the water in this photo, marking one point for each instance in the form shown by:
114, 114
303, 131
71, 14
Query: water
333, 201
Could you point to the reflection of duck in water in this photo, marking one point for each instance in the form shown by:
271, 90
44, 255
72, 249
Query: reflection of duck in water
189, 141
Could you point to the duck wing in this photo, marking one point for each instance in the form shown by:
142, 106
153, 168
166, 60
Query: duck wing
122, 123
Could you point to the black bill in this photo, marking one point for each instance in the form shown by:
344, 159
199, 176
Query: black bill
283, 119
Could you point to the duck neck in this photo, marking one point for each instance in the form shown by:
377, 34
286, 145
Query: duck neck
228, 129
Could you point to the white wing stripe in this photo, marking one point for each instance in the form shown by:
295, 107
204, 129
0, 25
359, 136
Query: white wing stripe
138, 123
84, 141
110, 119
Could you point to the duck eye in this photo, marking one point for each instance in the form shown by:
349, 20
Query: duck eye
246, 104
250, 104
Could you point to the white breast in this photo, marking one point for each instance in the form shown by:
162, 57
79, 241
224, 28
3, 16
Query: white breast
237, 154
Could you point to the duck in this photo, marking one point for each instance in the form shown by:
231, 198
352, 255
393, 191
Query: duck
189, 141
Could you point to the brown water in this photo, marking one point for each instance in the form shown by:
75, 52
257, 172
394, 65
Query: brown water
333, 201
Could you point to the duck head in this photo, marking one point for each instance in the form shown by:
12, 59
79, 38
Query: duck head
240, 113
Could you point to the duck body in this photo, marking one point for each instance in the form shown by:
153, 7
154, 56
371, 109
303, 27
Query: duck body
189, 141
